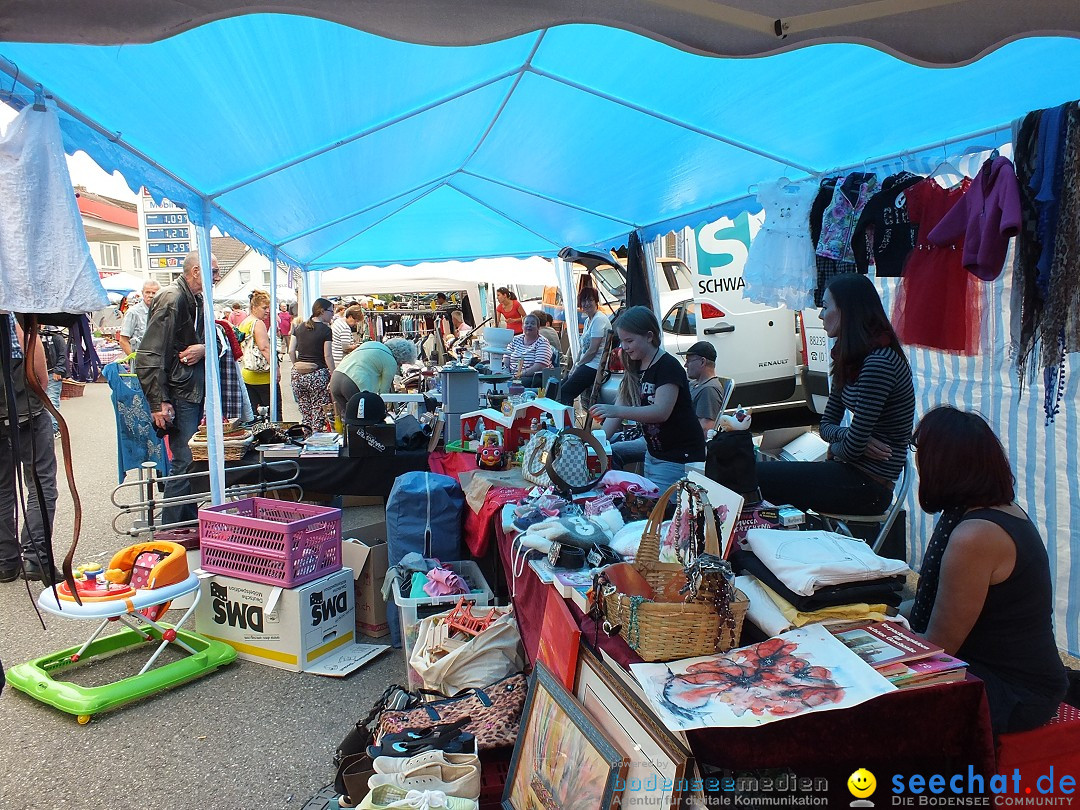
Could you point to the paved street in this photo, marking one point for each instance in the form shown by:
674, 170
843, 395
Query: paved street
247, 736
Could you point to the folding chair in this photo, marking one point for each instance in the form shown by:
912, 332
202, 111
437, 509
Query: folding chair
838, 523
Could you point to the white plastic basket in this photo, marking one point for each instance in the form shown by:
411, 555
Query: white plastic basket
412, 611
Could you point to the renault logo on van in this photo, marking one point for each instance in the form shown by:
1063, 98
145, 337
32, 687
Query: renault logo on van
767, 363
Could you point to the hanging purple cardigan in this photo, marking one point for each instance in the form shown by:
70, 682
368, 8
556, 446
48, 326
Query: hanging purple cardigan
986, 217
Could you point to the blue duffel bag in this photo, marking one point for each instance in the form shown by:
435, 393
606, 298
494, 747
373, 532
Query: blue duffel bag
423, 514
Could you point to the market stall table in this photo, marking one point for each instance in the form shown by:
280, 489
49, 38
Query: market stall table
937, 729
337, 475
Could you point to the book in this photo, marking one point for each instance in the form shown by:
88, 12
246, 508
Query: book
932, 666
881, 644
807, 447
279, 450
325, 439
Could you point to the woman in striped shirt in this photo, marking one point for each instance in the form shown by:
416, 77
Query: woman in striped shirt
529, 353
872, 380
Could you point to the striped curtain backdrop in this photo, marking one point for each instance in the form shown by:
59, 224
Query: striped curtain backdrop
1043, 457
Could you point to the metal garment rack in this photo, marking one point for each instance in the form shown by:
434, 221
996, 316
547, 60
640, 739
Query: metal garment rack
146, 485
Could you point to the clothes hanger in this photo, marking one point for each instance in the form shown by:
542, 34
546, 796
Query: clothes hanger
39, 98
946, 168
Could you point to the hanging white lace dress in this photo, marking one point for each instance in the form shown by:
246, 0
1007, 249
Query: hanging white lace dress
780, 268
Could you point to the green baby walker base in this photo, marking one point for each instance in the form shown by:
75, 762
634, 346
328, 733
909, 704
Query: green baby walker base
36, 678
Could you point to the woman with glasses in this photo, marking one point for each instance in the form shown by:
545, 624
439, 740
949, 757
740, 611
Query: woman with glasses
593, 333
871, 380
528, 353
985, 592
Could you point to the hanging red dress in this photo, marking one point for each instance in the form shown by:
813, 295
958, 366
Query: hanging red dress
937, 305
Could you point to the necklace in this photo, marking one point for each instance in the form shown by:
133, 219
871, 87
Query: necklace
651, 359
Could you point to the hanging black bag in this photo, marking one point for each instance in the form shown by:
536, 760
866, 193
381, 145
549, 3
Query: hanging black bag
730, 460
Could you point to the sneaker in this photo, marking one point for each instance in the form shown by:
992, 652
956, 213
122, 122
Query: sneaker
400, 764
386, 796
462, 781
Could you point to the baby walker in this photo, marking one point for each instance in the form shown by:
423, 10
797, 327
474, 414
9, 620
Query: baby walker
137, 588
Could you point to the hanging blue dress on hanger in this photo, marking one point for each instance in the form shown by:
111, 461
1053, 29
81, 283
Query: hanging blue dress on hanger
136, 440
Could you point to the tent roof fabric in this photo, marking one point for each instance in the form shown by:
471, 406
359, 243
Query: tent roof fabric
342, 148
942, 32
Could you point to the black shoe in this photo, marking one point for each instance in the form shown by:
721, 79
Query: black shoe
33, 572
9, 574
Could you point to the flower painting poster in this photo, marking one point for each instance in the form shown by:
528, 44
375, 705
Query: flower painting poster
798, 672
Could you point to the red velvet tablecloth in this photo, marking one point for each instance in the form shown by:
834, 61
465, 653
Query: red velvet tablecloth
937, 729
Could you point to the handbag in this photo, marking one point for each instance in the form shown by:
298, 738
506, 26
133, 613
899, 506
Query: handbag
568, 461
490, 656
730, 460
494, 713
253, 359
534, 458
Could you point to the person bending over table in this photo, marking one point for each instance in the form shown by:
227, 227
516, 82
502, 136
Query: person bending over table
984, 590
872, 380
528, 353
673, 435
596, 327
371, 366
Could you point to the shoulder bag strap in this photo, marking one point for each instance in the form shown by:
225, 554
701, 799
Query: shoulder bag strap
589, 441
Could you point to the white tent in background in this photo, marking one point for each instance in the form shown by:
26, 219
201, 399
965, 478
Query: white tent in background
122, 283
243, 292
437, 276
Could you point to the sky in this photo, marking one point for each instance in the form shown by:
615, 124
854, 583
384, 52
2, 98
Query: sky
84, 172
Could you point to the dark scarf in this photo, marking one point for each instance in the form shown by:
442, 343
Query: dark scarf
930, 573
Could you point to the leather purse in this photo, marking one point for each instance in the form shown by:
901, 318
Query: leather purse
494, 713
568, 461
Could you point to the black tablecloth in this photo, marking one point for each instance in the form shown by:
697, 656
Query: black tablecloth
343, 475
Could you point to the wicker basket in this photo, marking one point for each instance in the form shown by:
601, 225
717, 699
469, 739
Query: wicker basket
666, 631
227, 426
235, 449
71, 389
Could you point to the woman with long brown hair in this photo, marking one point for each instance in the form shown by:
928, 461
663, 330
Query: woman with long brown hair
872, 380
313, 362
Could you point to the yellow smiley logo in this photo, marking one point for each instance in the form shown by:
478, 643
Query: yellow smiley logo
862, 783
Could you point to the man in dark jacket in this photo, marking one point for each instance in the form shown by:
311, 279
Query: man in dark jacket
32, 419
170, 368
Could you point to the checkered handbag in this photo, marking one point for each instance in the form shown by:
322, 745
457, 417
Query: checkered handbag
568, 461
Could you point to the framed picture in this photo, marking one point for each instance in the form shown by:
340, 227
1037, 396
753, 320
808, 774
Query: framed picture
659, 773
561, 761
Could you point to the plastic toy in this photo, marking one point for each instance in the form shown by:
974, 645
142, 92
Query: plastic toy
138, 586
491, 455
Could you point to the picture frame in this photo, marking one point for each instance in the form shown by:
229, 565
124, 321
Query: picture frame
660, 768
562, 760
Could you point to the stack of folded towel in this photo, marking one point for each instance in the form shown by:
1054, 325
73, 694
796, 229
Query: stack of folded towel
795, 578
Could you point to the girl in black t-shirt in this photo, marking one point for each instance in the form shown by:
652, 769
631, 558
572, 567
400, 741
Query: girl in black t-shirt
673, 434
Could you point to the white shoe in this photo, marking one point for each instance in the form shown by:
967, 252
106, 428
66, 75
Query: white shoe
462, 781
435, 757
386, 797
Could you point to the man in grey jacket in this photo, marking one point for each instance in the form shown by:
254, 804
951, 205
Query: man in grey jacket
170, 368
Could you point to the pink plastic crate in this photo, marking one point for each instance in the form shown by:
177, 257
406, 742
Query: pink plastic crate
276, 542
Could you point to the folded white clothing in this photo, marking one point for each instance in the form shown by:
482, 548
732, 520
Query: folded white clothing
807, 561
763, 612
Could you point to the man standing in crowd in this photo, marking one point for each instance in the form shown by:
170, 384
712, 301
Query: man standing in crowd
40, 457
55, 342
706, 390
284, 325
343, 330
170, 369
134, 326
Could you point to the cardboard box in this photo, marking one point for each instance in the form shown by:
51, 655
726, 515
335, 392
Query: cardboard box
305, 629
772, 442
364, 551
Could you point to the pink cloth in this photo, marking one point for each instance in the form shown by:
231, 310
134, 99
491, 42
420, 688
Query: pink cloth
237, 316
986, 217
444, 582
284, 322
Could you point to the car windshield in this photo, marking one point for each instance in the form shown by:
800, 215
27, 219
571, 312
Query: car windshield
611, 279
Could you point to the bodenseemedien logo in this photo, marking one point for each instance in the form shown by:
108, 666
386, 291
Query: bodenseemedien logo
862, 785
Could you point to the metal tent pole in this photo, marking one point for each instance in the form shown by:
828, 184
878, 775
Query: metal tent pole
215, 449
274, 370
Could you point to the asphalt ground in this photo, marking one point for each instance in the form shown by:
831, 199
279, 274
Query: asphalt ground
246, 736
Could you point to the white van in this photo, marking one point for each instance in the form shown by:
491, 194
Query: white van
762, 348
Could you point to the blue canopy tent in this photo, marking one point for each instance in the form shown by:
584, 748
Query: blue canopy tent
327, 146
